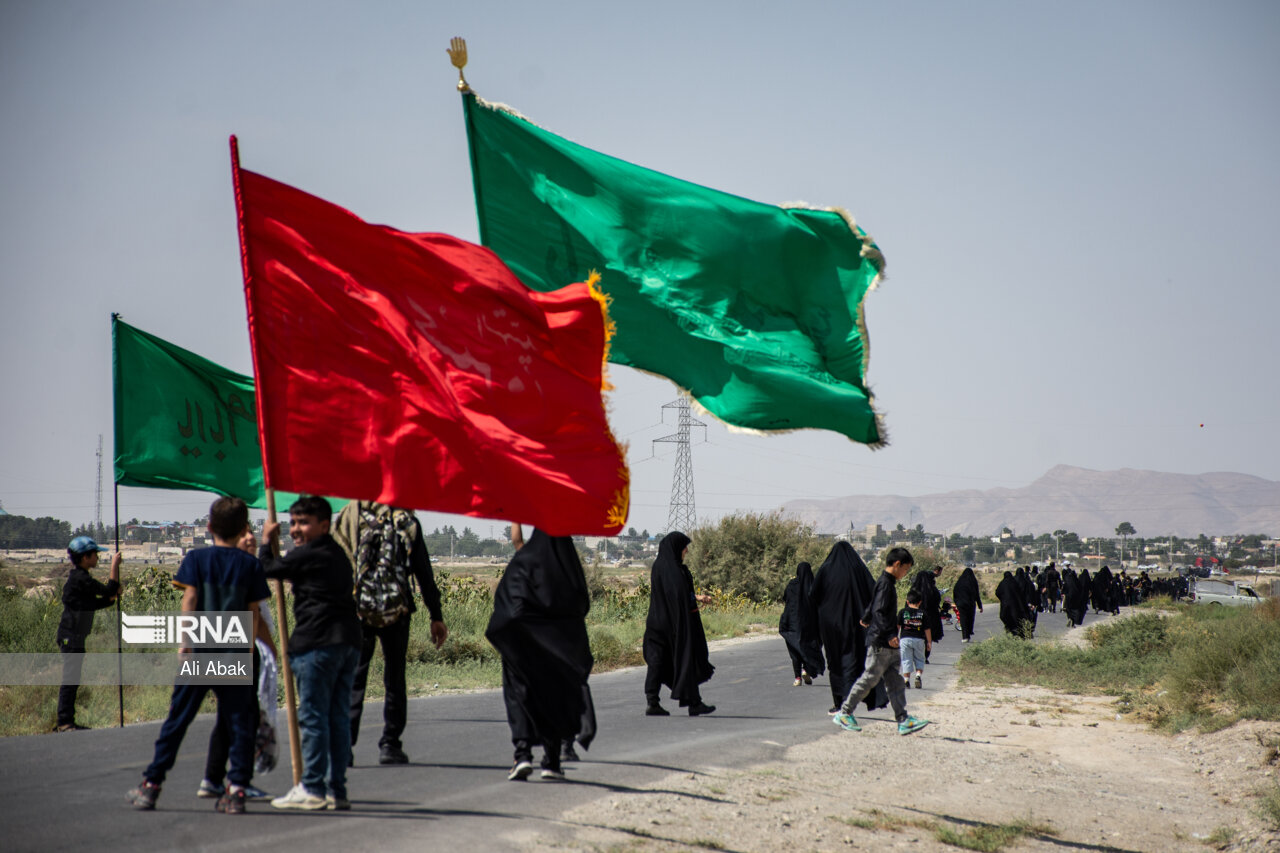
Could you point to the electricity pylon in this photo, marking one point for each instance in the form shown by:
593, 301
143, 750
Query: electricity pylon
682, 514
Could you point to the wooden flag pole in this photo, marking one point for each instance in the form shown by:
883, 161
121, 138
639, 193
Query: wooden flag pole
290, 701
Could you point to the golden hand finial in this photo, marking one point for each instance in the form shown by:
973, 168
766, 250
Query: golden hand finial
458, 56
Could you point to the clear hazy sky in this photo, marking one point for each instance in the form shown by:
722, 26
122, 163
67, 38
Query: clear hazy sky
1078, 203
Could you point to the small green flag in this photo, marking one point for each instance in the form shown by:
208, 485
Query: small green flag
181, 421
755, 309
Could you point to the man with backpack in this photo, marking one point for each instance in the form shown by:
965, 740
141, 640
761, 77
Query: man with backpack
387, 550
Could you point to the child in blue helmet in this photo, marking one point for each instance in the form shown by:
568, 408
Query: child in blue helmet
82, 594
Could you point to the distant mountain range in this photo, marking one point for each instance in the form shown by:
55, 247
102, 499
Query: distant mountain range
1090, 503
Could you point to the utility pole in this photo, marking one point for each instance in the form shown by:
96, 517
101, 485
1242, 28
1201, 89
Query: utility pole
97, 512
681, 515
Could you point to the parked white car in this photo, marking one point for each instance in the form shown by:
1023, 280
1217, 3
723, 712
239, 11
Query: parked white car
1221, 592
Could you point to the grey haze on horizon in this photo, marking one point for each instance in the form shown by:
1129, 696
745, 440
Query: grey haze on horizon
1089, 503
1077, 203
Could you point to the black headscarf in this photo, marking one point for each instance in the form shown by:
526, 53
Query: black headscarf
1013, 606
538, 626
1102, 590
925, 582
1053, 580
799, 622
1075, 598
966, 592
674, 641
841, 595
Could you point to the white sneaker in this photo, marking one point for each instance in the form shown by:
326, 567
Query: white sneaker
208, 790
298, 798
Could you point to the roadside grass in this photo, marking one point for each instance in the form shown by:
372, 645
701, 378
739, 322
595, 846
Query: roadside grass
1203, 666
1220, 837
991, 837
1269, 804
615, 626
967, 835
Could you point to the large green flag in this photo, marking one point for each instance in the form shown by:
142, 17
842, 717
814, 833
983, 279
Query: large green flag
755, 309
182, 422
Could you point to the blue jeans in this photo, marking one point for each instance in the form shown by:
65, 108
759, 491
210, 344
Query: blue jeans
911, 651
324, 678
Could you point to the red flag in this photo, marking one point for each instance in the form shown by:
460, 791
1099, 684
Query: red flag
416, 370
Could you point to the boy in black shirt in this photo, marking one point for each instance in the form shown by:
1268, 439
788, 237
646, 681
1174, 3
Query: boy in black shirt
914, 639
81, 596
882, 649
324, 649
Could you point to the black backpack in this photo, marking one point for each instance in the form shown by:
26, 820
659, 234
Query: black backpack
383, 592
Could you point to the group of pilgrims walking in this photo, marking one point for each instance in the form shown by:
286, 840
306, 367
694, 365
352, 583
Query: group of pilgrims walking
842, 622
1027, 592
847, 624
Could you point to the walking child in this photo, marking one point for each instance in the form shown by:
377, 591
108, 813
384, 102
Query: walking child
881, 623
914, 638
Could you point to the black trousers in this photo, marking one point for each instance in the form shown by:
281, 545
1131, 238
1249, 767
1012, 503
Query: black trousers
71, 667
234, 701
966, 612
395, 648
215, 765
550, 752
524, 735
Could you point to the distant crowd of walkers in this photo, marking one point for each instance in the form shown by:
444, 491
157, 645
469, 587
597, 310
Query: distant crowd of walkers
1027, 592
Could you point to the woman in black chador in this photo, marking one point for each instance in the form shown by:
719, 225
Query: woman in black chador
538, 626
967, 597
1052, 587
1102, 590
1013, 606
1075, 598
926, 583
799, 627
841, 595
675, 646
1030, 597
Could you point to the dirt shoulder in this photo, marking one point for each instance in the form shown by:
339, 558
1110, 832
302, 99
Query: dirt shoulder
994, 755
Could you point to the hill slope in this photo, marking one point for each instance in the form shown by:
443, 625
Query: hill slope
1090, 503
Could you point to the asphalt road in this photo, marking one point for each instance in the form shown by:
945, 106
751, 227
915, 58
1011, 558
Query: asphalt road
66, 791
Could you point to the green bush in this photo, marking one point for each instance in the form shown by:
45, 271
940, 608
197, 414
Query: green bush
753, 555
29, 625
151, 589
1226, 663
1204, 666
